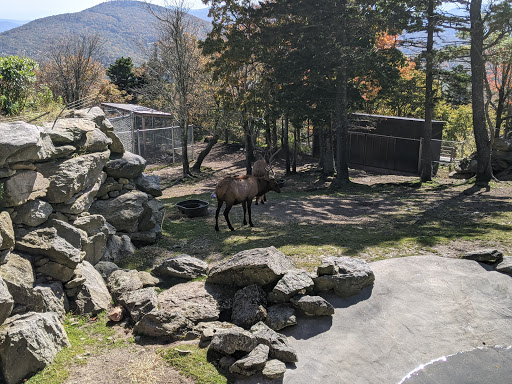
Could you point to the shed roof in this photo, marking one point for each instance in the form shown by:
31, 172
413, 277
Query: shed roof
137, 109
394, 118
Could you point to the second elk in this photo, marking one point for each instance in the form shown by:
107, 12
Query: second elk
263, 169
241, 190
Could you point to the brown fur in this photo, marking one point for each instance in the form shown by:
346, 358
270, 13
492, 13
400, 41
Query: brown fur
241, 190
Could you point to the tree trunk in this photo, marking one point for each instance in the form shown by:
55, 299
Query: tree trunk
341, 124
328, 155
316, 141
268, 139
286, 144
274, 133
483, 144
184, 147
426, 156
204, 153
249, 148
296, 135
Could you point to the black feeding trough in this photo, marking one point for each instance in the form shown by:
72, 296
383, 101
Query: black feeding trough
193, 208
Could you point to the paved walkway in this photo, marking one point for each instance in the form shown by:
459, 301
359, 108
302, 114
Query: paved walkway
420, 309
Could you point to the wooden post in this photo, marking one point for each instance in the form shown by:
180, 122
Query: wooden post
420, 154
172, 143
144, 134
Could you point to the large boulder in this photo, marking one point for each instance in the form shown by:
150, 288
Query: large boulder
18, 275
97, 141
129, 166
92, 296
71, 131
249, 306
122, 281
21, 141
123, 212
274, 369
252, 363
22, 187
71, 176
6, 302
345, 276
505, 265
7, 237
278, 343
149, 184
230, 340
280, 316
292, 283
163, 324
28, 343
195, 300
60, 244
33, 213
82, 201
313, 305
50, 298
259, 266
139, 303
181, 266
118, 248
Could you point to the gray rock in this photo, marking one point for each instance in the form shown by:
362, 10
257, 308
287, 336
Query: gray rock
274, 369
18, 275
182, 266
22, 187
488, 256
231, 340
280, 316
21, 141
148, 280
207, 329
7, 238
109, 185
292, 283
4, 256
56, 271
163, 324
122, 281
97, 141
50, 298
123, 212
252, 363
105, 268
94, 248
28, 343
249, 306
194, 300
92, 297
6, 172
352, 275
118, 248
505, 266
6, 302
71, 176
93, 224
139, 302
49, 243
117, 146
129, 166
279, 347
313, 305
226, 362
69, 131
149, 184
33, 213
83, 200
260, 266
141, 239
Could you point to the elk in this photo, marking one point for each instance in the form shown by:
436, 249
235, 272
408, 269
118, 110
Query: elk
263, 169
241, 189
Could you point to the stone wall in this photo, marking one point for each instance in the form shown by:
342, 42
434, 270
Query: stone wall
70, 196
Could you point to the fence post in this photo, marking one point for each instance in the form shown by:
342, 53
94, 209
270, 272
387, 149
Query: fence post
192, 139
172, 143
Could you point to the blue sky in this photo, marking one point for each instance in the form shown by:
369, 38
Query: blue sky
35, 9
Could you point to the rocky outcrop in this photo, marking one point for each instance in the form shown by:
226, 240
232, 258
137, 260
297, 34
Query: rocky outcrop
6, 302
28, 343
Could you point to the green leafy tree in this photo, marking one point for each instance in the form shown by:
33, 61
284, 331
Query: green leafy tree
17, 75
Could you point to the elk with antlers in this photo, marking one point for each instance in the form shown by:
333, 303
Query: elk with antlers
241, 190
263, 169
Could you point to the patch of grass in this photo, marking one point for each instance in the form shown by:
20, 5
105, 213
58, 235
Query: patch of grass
86, 336
194, 365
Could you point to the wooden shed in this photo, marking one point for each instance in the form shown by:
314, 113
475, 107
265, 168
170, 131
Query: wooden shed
390, 142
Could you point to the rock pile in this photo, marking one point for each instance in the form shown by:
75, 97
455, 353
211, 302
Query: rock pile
501, 162
70, 196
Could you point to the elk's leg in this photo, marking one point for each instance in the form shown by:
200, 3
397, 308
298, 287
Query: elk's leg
256, 202
249, 210
226, 216
219, 205
263, 199
244, 208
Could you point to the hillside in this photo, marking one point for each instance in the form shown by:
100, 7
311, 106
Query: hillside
126, 27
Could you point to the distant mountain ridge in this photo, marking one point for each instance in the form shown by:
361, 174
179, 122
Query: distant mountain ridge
126, 27
6, 24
